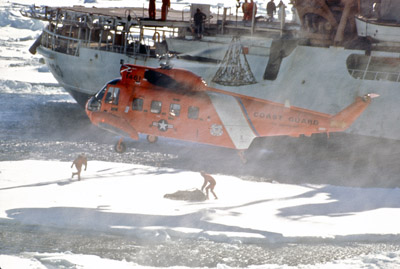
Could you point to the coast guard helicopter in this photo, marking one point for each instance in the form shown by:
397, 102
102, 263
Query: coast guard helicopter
177, 104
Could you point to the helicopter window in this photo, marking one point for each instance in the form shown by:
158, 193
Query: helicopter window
112, 96
108, 96
193, 112
155, 107
175, 110
137, 104
101, 93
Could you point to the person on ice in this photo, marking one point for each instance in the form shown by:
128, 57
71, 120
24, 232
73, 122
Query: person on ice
211, 184
78, 162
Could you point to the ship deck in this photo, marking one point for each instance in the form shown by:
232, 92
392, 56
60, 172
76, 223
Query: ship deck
142, 13
175, 18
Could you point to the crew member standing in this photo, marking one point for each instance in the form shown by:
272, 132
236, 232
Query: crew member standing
245, 7
199, 18
377, 8
208, 179
164, 9
152, 9
250, 11
282, 13
271, 9
78, 162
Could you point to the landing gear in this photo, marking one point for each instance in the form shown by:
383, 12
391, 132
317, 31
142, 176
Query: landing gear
120, 146
152, 138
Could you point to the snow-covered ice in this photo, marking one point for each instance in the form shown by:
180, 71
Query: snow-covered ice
130, 198
127, 199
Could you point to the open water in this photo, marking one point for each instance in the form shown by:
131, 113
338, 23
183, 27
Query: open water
179, 252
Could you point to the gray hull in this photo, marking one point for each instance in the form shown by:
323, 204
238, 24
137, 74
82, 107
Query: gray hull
309, 77
84, 75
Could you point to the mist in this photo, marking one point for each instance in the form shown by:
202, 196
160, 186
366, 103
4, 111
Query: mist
307, 202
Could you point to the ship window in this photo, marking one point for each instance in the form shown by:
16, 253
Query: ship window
112, 96
193, 112
137, 104
155, 107
175, 110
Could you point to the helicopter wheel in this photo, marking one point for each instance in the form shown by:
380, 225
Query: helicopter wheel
120, 147
152, 138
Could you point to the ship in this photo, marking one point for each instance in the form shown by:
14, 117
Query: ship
329, 53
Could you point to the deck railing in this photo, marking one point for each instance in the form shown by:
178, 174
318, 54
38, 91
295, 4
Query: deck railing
375, 75
132, 43
60, 43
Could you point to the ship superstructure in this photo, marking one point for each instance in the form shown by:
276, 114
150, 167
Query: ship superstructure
80, 43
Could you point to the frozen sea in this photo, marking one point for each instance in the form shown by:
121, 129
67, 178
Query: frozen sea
324, 206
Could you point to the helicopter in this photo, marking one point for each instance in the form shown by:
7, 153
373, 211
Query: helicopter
175, 103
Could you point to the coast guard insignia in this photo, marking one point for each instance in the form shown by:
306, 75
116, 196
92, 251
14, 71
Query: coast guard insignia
216, 130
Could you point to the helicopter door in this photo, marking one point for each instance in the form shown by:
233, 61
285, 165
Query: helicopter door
112, 98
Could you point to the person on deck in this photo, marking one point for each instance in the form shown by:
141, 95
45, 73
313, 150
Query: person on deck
250, 10
152, 9
78, 162
164, 9
199, 18
282, 13
208, 179
245, 7
271, 9
377, 8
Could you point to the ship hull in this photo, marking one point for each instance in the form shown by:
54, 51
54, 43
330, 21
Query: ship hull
314, 78
321, 79
82, 76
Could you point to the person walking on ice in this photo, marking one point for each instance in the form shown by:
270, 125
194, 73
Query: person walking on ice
78, 162
208, 179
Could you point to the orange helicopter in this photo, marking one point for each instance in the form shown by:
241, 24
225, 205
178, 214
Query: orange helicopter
176, 103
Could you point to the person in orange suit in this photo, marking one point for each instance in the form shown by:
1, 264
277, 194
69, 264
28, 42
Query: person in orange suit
78, 162
250, 7
245, 7
208, 179
152, 9
164, 9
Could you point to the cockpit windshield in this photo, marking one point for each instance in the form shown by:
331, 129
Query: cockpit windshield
94, 103
99, 95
